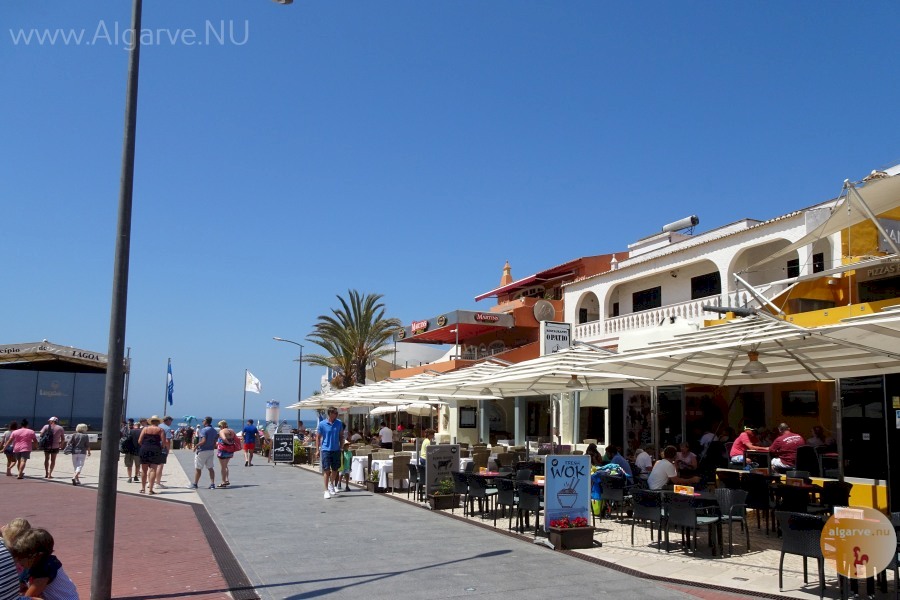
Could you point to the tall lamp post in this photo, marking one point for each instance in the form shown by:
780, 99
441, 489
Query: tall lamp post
114, 388
299, 377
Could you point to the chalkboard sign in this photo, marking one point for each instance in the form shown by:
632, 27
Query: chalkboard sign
440, 461
567, 487
283, 447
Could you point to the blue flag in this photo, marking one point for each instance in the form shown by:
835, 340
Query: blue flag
170, 384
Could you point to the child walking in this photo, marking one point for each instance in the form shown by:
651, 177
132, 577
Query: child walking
346, 460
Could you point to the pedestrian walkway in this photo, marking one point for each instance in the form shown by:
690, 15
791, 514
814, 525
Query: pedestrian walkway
272, 535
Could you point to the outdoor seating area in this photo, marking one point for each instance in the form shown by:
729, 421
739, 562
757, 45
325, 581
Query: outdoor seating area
666, 533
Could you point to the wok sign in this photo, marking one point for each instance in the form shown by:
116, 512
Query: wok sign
567, 488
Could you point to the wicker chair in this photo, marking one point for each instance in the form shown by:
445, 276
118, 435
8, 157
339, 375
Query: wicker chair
506, 497
733, 508
681, 511
399, 472
647, 506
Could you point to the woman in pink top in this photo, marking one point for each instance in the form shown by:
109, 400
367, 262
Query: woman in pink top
23, 441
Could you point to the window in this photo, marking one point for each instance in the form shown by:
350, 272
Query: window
706, 285
646, 299
818, 262
793, 268
582, 315
615, 312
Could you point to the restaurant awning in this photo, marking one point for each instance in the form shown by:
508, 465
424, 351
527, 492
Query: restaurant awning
451, 327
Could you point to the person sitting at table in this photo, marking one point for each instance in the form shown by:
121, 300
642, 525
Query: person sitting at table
686, 460
818, 438
596, 459
429, 438
784, 449
744, 442
643, 460
617, 459
665, 473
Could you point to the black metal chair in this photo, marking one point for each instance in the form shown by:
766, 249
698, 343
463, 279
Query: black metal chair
614, 492
461, 487
682, 511
529, 502
758, 496
524, 475
808, 460
790, 498
506, 498
733, 509
729, 479
481, 490
413, 480
647, 505
800, 535
834, 493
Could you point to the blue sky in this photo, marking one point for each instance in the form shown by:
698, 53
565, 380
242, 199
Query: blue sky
405, 148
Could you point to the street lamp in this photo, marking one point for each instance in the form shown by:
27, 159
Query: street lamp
113, 392
300, 360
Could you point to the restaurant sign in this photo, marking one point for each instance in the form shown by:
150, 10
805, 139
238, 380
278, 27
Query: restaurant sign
283, 448
486, 317
441, 460
892, 229
567, 488
419, 326
555, 337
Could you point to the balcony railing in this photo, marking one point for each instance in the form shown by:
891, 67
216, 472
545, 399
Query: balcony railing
612, 327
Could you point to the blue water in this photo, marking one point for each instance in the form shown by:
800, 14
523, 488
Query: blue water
308, 417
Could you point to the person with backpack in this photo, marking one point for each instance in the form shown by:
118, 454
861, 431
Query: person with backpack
130, 450
52, 439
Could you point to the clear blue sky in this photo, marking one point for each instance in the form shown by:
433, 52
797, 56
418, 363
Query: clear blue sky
405, 147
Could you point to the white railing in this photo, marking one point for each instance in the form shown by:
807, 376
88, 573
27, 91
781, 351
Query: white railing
692, 309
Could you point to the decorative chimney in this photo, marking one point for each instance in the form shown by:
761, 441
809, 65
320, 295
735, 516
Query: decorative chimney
507, 275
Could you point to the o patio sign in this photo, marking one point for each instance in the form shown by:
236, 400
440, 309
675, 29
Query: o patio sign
860, 540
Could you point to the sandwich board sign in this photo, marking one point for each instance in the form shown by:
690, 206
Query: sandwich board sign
567, 488
440, 461
283, 448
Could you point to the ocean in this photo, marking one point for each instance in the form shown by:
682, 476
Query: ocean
309, 418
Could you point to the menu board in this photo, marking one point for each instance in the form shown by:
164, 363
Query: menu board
567, 488
283, 447
440, 461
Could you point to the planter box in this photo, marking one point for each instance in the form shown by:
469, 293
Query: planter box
444, 501
573, 538
372, 486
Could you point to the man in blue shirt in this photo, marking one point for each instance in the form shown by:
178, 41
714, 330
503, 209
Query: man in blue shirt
329, 439
249, 433
618, 459
205, 453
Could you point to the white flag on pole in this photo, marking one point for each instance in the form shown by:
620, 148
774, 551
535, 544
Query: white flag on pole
252, 384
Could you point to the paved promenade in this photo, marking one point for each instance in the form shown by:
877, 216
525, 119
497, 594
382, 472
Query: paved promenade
272, 535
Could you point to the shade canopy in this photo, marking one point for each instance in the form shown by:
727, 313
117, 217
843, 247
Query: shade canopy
720, 355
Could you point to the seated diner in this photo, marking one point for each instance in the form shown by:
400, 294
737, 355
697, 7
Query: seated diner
665, 473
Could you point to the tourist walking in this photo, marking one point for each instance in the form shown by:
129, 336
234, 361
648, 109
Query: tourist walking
226, 445
79, 447
166, 426
8, 449
204, 453
250, 433
23, 441
151, 442
52, 440
329, 439
130, 450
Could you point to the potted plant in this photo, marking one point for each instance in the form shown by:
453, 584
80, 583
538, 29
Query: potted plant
571, 534
443, 496
372, 482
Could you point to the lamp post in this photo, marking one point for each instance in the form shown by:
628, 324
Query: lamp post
114, 388
300, 376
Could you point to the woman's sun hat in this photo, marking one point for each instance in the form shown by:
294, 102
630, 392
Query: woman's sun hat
154, 419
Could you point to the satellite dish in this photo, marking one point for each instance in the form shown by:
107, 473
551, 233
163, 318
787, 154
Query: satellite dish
544, 311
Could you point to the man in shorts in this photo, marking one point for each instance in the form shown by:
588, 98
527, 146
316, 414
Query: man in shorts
329, 439
205, 453
58, 442
250, 433
166, 426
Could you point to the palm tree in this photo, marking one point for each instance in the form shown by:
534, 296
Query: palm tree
352, 336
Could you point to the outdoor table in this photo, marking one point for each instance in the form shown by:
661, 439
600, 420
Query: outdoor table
358, 466
383, 466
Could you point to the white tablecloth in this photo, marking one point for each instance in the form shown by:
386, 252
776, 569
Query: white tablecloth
358, 468
383, 467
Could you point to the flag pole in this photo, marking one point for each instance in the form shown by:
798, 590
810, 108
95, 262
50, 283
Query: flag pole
244, 408
166, 389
